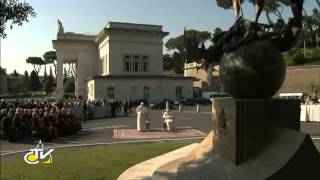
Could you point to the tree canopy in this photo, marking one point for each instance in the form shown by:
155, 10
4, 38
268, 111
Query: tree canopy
14, 12
226, 4
34, 81
50, 57
36, 62
184, 44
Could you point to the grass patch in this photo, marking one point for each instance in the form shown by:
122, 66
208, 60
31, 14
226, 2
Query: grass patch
103, 162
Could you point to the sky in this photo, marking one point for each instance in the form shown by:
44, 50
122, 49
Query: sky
34, 38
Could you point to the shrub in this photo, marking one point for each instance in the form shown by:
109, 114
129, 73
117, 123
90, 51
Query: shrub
294, 57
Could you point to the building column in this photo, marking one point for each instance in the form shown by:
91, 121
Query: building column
59, 88
76, 82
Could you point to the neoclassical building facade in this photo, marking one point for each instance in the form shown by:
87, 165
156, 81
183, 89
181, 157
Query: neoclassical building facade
123, 61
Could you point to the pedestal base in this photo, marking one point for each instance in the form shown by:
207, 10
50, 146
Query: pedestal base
252, 139
288, 154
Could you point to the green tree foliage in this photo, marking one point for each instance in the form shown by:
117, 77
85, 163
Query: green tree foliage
294, 57
195, 37
26, 76
2, 71
50, 57
15, 74
189, 46
167, 62
311, 29
69, 85
178, 62
26, 80
226, 4
14, 12
48, 84
34, 81
270, 6
36, 63
314, 87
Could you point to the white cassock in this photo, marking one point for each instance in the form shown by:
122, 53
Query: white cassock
142, 115
168, 119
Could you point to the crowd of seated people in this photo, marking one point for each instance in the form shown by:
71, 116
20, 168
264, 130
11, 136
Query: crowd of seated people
36, 120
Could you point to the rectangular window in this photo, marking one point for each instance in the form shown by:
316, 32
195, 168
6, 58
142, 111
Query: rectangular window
127, 66
126, 63
178, 92
145, 63
110, 92
135, 63
146, 92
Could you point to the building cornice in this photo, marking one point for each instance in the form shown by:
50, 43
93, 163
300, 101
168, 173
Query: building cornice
167, 77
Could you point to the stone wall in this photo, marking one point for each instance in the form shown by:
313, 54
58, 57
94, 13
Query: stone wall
299, 79
202, 81
133, 88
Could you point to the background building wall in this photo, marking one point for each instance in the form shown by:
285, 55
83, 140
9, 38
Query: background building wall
202, 76
159, 88
127, 43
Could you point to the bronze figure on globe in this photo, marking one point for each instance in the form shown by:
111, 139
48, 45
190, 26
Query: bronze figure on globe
249, 53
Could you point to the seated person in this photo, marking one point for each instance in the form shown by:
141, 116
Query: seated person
167, 120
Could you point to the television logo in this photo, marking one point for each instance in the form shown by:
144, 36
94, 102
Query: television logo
39, 154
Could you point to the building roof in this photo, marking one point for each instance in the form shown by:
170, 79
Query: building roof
146, 28
96, 77
122, 26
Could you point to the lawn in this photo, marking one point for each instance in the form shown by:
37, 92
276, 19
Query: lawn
104, 162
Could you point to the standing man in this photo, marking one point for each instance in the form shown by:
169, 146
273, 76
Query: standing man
125, 107
142, 118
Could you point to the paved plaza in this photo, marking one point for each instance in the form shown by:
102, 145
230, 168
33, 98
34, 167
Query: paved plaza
102, 130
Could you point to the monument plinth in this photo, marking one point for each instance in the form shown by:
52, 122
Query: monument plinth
252, 139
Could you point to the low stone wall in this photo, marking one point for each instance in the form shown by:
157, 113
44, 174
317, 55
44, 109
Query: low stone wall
98, 112
300, 78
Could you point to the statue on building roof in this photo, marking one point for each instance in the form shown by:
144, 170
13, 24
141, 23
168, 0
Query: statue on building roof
60, 27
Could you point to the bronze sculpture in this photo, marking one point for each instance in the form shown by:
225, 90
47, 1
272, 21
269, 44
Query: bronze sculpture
244, 31
238, 67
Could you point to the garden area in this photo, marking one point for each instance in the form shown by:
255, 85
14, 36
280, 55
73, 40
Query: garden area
102, 162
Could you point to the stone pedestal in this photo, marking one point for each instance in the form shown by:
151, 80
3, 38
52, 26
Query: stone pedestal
251, 140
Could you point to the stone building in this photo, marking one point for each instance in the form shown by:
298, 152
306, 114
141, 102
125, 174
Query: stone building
202, 82
123, 61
